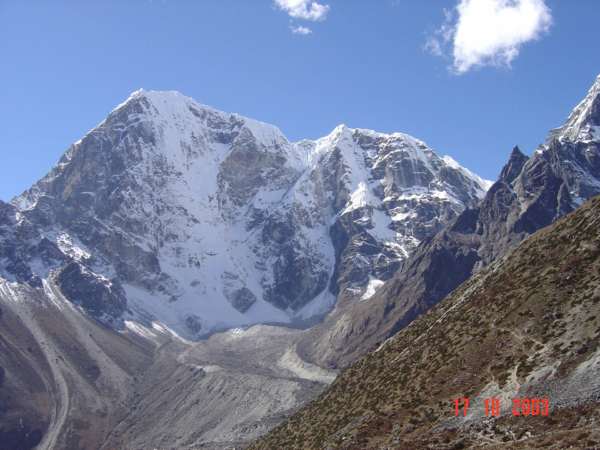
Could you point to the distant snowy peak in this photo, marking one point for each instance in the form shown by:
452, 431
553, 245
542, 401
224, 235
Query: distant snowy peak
374, 147
175, 108
204, 220
584, 122
573, 152
531, 193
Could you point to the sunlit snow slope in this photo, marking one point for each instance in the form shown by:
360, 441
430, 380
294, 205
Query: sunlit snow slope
170, 211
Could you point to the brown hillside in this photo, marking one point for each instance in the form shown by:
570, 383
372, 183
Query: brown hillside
526, 326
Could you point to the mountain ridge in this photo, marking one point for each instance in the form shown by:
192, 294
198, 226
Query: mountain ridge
208, 220
102, 275
531, 193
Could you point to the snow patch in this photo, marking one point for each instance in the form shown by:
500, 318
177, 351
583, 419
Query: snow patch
321, 304
372, 287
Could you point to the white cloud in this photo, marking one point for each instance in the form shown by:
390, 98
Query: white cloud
303, 9
445, 32
489, 32
301, 30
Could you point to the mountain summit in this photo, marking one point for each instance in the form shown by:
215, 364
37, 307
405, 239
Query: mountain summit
584, 122
530, 193
171, 211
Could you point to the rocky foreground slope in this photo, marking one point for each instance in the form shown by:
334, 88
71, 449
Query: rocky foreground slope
530, 193
525, 327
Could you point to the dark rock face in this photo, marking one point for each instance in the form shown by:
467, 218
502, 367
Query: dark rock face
88, 192
16, 267
242, 299
249, 167
531, 193
193, 323
25, 247
96, 295
514, 166
299, 271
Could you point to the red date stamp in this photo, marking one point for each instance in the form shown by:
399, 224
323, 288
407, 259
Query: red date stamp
521, 406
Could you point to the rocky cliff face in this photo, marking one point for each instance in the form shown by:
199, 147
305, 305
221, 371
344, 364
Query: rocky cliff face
202, 220
530, 193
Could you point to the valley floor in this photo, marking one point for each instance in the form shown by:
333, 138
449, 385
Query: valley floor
85, 386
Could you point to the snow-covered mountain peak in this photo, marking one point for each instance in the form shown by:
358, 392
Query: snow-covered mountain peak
573, 151
584, 122
209, 220
140, 93
173, 106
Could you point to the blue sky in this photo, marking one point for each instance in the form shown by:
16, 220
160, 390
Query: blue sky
417, 67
